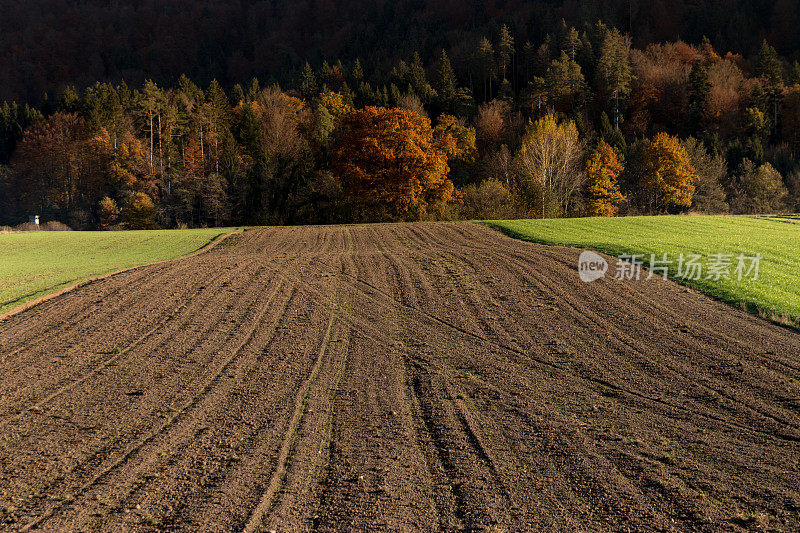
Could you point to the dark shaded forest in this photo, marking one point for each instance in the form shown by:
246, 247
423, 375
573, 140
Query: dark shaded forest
180, 114
46, 45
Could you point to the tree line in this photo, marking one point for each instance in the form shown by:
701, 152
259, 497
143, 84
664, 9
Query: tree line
582, 123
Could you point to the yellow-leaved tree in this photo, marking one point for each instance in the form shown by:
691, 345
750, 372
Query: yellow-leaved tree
391, 158
603, 197
668, 175
335, 104
549, 166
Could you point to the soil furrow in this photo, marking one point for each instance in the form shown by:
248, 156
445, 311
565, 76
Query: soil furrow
174, 418
394, 377
257, 515
604, 384
116, 354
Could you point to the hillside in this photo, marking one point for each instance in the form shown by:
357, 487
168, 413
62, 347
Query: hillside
48, 44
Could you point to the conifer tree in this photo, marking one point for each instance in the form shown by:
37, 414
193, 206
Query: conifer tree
325, 74
484, 59
770, 70
446, 83
571, 43
614, 69
565, 83
699, 92
308, 82
505, 51
358, 73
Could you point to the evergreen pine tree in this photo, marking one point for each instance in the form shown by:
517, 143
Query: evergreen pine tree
699, 91
614, 70
484, 59
446, 83
770, 70
358, 73
505, 51
308, 82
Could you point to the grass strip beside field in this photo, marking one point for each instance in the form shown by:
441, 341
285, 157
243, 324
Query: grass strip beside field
774, 295
33, 264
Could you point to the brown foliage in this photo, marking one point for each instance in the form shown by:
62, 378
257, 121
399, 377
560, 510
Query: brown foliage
660, 91
280, 116
125, 162
390, 157
495, 124
729, 90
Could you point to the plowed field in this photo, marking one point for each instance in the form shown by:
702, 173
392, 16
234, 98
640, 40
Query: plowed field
430, 376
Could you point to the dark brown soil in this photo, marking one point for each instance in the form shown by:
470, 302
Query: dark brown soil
394, 377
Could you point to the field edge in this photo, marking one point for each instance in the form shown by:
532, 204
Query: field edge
766, 312
31, 300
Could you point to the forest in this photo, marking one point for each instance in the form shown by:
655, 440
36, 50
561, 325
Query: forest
500, 120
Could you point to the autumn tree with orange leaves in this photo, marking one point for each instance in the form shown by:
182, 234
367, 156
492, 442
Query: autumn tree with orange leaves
603, 197
668, 175
391, 158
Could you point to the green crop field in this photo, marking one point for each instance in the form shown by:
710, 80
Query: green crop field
35, 263
776, 292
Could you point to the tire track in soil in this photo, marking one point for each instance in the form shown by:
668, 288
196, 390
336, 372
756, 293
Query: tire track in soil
626, 460
496, 262
299, 447
295, 478
593, 321
101, 455
184, 510
279, 471
444, 435
69, 299
435, 399
634, 393
597, 381
373, 287
87, 363
453, 278
117, 355
308, 466
303, 503
468, 417
420, 368
452, 508
401, 442
166, 318
220, 455
251, 277
170, 421
115, 306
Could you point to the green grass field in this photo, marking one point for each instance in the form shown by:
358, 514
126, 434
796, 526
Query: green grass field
35, 263
776, 292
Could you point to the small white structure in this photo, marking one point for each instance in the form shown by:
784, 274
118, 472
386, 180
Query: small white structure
34, 219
